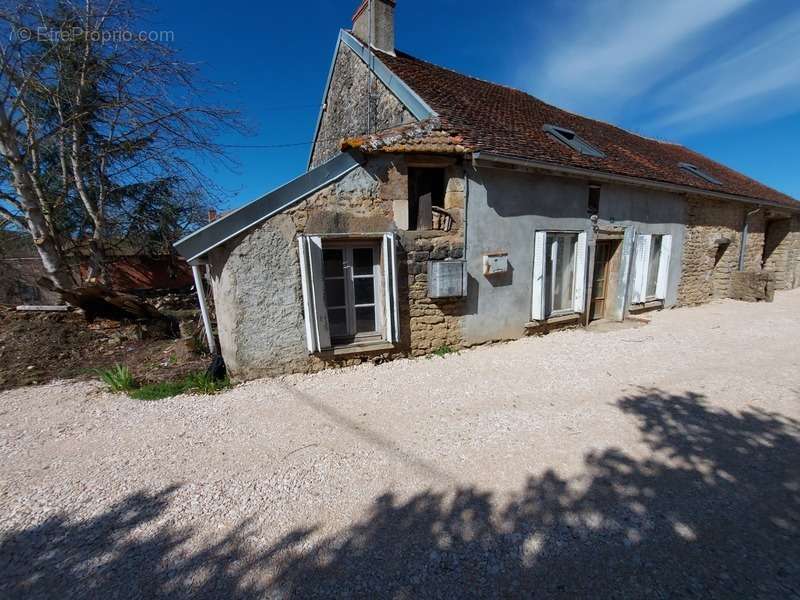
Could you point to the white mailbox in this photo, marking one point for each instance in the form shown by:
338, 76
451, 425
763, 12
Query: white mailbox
495, 263
447, 278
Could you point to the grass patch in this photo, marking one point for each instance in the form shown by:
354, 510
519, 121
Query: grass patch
443, 351
119, 379
158, 391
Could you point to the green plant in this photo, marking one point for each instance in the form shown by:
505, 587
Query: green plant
158, 391
118, 378
203, 382
443, 350
194, 382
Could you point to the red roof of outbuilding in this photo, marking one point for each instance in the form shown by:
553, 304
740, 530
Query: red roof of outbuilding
501, 120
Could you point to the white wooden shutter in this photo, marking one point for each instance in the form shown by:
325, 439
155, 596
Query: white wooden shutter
663, 267
391, 301
305, 280
641, 260
318, 335
579, 299
617, 312
537, 298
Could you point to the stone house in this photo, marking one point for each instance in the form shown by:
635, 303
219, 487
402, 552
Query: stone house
442, 211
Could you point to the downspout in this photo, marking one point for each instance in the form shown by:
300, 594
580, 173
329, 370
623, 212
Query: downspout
201, 297
743, 245
466, 208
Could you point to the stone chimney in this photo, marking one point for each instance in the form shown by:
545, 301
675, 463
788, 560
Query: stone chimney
381, 15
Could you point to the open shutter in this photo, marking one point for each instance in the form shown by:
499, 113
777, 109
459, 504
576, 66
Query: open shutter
579, 299
617, 312
663, 267
537, 299
318, 335
391, 303
641, 261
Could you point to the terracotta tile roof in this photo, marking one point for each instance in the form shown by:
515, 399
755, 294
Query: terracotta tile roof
497, 119
425, 136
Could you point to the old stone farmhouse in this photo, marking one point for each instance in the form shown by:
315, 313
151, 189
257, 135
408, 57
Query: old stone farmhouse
439, 210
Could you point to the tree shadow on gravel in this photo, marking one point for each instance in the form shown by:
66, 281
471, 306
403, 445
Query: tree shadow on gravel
713, 511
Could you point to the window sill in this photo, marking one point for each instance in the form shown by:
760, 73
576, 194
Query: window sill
358, 348
556, 320
647, 305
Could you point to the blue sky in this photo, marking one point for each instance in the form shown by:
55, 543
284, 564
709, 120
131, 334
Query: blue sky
720, 76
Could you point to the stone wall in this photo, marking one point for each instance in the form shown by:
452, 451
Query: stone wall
753, 286
782, 251
345, 113
708, 261
256, 277
711, 269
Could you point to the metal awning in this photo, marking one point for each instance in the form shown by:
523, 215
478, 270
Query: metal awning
200, 242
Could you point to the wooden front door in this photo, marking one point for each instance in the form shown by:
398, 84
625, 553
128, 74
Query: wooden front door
602, 259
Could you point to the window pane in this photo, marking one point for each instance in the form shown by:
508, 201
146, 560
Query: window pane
365, 319
333, 262
561, 270
337, 319
334, 292
364, 290
655, 258
362, 261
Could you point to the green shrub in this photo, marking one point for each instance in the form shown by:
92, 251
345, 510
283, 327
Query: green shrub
118, 378
443, 350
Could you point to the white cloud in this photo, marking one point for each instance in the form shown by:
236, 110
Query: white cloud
756, 81
616, 50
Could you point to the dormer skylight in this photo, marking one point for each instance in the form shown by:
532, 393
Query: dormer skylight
698, 172
573, 140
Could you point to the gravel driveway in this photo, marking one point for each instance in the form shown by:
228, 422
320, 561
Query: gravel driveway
658, 461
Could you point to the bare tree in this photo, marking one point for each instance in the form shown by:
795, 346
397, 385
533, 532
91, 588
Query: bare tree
102, 129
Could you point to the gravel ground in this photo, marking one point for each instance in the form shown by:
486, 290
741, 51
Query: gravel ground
658, 461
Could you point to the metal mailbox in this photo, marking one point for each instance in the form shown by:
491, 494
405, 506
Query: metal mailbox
447, 278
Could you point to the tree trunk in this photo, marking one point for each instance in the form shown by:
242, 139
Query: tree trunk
55, 267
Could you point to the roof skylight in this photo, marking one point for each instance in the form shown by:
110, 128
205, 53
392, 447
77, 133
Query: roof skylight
573, 140
697, 171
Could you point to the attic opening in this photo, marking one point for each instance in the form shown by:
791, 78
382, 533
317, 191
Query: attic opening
698, 172
426, 188
573, 140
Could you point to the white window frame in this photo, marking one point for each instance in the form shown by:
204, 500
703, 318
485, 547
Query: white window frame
317, 327
641, 273
541, 286
348, 277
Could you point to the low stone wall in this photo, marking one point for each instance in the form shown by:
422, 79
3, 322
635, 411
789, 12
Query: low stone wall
753, 286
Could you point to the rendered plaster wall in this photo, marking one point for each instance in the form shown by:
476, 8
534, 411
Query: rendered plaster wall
505, 209
345, 113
